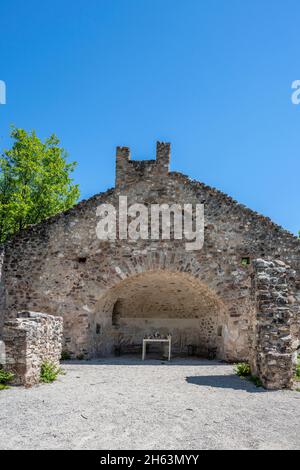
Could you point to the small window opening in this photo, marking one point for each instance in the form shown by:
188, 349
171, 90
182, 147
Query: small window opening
98, 329
81, 259
219, 330
116, 313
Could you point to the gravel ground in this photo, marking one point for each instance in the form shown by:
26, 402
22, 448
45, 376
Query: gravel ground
126, 404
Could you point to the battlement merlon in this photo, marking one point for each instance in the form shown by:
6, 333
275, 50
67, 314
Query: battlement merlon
128, 171
163, 154
123, 153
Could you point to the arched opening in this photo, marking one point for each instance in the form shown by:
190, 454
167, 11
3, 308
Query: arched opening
159, 301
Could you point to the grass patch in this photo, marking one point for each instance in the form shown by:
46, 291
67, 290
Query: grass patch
5, 378
297, 372
4, 387
65, 356
243, 370
50, 372
255, 380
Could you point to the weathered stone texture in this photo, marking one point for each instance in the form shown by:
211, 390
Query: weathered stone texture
31, 339
203, 297
274, 350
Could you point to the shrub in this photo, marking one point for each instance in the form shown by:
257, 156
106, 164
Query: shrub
65, 356
5, 378
49, 372
242, 369
256, 380
297, 373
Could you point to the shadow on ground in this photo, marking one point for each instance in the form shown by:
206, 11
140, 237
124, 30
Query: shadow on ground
136, 361
232, 382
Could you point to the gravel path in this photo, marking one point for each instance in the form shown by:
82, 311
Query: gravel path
126, 404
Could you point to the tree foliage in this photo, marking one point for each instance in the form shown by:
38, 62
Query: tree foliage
35, 182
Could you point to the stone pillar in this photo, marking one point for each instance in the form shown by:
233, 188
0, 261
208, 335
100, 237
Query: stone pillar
31, 339
274, 348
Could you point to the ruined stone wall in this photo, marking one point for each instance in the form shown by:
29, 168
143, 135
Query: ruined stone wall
274, 355
61, 268
31, 339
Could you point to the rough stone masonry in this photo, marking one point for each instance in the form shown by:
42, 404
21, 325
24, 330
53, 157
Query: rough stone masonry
30, 340
238, 298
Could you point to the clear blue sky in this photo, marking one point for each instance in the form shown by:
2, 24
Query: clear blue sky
213, 77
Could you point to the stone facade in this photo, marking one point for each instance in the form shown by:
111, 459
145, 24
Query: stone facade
31, 339
111, 293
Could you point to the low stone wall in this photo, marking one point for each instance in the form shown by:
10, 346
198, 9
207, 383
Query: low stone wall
31, 339
274, 348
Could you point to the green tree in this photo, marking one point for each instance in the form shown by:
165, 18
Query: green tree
35, 182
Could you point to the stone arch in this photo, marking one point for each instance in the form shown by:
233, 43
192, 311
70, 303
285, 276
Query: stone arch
159, 300
237, 308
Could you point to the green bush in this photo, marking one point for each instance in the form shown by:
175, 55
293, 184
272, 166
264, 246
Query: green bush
256, 380
5, 377
297, 373
49, 372
242, 369
65, 356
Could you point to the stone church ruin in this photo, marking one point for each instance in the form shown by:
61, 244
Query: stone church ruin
238, 298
